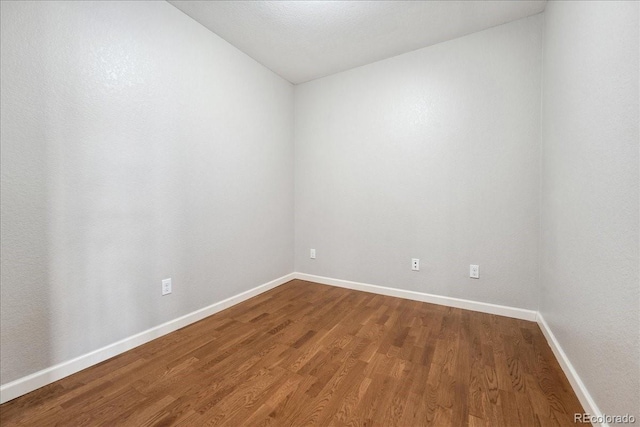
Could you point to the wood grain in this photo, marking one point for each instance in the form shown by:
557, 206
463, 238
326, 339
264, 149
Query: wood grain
310, 354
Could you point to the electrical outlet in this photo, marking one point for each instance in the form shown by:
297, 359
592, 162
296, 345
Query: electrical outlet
415, 264
312, 254
474, 271
166, 286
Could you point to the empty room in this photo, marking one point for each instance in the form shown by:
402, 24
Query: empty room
332, 213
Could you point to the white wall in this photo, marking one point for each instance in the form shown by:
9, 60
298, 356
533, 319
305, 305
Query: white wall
434, 155
590, 292
136, 145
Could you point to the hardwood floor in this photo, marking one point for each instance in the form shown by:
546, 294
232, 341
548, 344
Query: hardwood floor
309, 354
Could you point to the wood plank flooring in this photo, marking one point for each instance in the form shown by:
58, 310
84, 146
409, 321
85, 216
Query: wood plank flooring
309, 354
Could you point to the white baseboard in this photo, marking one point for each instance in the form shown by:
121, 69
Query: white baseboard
46, 376
588, 404
483, 307
54, 373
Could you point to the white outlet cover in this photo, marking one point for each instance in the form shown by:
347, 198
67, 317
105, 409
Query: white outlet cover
312, 254
415, 264
166, 286
474, 271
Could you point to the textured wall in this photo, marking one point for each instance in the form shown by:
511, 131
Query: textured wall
136, 145
433, 154
589, 268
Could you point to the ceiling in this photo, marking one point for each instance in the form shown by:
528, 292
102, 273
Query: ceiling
305, 40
